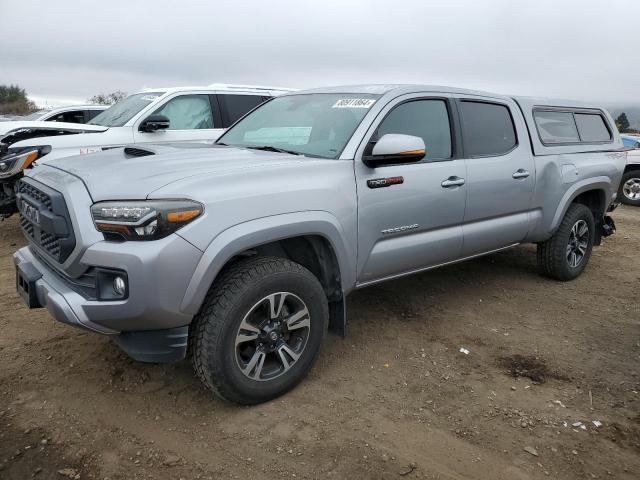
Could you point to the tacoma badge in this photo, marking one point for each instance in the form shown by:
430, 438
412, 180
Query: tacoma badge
401, 229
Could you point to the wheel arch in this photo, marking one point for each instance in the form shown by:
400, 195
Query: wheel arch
314, 239
632, 167
591, 193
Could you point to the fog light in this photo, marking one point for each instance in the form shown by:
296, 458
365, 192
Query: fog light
119, 286
111, 284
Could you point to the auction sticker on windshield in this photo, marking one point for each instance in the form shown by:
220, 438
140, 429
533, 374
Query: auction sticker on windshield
354, 103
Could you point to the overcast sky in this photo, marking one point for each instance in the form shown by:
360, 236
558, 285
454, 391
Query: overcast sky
72, 49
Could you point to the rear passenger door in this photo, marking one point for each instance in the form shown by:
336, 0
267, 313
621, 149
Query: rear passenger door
234, 107
500, 174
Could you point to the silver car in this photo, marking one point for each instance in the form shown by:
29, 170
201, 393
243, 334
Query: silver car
243, 252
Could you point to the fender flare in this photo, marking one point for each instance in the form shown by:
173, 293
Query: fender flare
264, 230
596, 183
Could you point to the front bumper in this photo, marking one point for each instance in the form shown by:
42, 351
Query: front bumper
45, 289
148, 324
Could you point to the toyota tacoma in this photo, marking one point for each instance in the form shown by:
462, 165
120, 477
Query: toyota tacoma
239, 255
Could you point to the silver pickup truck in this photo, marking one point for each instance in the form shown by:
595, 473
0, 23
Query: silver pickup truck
242, 253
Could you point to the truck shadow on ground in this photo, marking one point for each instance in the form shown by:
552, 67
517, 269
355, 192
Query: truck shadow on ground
401, 302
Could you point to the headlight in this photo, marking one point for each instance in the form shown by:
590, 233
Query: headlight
15, 162
143, 220
17, 159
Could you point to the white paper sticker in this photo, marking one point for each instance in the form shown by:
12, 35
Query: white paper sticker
354, 103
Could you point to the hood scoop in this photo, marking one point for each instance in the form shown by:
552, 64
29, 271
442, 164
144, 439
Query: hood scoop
137, 152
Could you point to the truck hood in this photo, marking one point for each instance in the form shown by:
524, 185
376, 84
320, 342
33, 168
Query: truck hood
120, 173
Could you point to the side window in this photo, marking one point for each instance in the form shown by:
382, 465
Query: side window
74, 116
592, 128
556, 127
90, 114
487, 129
428, 119
56, 118
188, 112
236, 106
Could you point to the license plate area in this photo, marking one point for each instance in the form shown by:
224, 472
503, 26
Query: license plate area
26, 277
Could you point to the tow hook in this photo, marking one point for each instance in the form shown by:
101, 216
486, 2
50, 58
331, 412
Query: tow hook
608, 226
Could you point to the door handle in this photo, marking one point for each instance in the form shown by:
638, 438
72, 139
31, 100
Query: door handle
521, 173
452, 182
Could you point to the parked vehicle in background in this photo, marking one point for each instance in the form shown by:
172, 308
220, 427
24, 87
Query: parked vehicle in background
9, 118
244, 251
70, 114
629, 192
162, 115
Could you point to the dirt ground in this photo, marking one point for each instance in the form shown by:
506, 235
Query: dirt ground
395, 399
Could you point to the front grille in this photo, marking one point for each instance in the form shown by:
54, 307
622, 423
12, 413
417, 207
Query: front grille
34, 193
27, 228
50, 243
44, 219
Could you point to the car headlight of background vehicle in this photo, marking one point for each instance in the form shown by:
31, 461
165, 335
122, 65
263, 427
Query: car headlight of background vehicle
17, 159
144, 219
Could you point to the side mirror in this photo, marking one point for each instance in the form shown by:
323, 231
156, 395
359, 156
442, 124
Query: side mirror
393, 149
154, 122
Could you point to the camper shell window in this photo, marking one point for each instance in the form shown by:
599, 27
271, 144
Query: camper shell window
559, 126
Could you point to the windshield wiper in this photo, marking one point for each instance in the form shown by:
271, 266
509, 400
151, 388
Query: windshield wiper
269, 148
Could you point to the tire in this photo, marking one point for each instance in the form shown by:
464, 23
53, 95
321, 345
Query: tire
554, 255
268, 295
629, 191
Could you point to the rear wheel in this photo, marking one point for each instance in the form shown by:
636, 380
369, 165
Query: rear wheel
566, 254
259, 330
629, 192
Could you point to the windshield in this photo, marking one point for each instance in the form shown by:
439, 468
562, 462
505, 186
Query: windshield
36, 115
124, 110
317, 124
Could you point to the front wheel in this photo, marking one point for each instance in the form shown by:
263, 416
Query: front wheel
259, 330
629, 192
566, 254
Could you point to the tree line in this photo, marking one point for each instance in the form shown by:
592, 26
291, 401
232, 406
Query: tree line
14, 100
622, 122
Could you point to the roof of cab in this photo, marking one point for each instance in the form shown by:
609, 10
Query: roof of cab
526, 106
399, 89
219, 86
89, 106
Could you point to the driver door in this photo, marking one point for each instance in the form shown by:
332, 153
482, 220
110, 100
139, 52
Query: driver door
416, 222
192, 118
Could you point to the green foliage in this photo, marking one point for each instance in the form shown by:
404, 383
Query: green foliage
14, 101
622, 122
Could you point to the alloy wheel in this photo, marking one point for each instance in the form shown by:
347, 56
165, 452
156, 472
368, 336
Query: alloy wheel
631, 189
578, 243
272, 336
